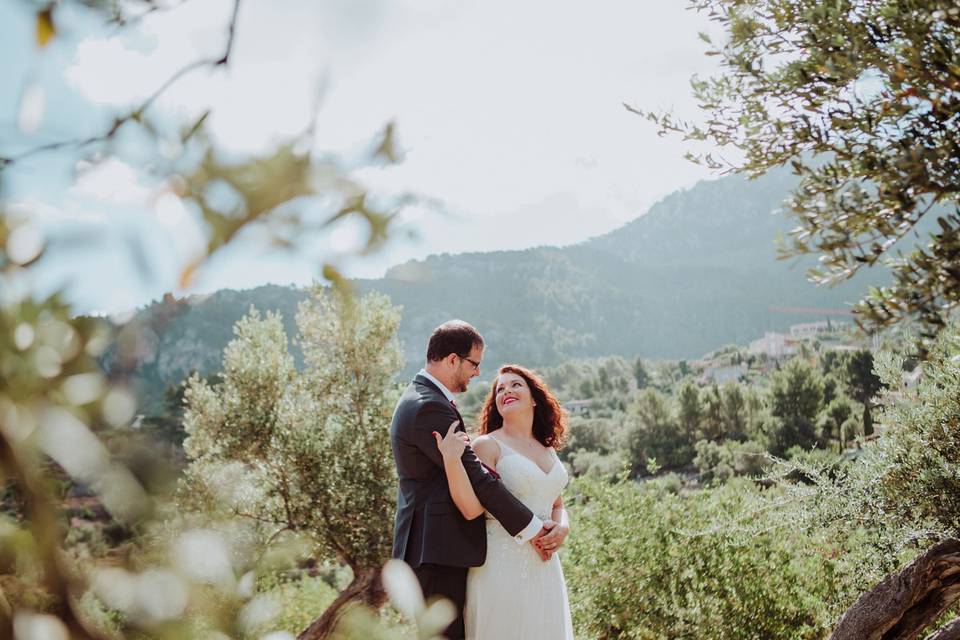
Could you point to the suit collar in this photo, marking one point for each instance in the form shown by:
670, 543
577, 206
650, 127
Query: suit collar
426, 378
427, 382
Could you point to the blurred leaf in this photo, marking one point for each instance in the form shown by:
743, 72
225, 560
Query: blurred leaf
189, 272
262, 184
45, 28
332, 274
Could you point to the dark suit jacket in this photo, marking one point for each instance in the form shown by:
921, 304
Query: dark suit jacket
429, 528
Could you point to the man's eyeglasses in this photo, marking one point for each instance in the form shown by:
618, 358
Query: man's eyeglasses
476, 365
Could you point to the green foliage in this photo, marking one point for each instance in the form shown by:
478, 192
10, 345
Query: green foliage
720, 462
860, 99
796, 395
296, 601
838, 421
587, 462
302, 451
595, 434
734, 412
904, 486
55, 404
649, 563
863, 384
653, 433
689, 410
640, 373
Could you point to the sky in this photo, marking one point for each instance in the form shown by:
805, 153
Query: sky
510, 117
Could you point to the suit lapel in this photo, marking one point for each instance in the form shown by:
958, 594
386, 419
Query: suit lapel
443, 397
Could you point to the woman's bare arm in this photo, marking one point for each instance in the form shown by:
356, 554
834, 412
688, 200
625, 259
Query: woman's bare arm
451, 448
559, 513
550, 542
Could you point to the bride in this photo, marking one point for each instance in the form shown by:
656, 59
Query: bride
519, 592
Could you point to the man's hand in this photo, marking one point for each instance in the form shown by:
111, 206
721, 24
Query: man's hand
548, 525
550, 541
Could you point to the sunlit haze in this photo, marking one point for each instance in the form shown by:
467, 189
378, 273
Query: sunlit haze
510, 116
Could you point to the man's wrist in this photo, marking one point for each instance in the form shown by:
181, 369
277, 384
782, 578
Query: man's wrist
528, 532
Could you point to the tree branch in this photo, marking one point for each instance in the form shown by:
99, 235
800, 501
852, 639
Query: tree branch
137, 113
907, 602
949, 632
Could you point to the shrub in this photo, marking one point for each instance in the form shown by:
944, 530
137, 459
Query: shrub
645, 563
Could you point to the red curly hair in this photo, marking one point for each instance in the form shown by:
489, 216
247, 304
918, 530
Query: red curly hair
549, 418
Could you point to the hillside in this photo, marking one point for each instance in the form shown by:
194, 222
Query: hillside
695, 272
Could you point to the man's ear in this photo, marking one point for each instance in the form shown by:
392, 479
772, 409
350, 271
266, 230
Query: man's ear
452, 359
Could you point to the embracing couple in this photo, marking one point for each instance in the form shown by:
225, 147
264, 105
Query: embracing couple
480, 521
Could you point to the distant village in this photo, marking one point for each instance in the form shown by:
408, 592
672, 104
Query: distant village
736, 364
764, 354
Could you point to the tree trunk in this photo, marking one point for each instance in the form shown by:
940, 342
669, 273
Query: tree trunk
907, 602
365, 589
949, 632
867, 418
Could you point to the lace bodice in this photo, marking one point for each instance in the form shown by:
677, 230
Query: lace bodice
528, 482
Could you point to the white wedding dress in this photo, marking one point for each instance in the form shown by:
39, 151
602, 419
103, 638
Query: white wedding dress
515, 595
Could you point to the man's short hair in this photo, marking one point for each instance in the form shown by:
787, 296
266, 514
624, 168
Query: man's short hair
453, 336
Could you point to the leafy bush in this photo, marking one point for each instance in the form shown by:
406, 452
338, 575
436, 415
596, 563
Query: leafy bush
653, 433
646, 563
724, 461
296, 601
595, 464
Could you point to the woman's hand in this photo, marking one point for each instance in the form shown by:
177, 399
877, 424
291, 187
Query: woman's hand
451, 446
551, 541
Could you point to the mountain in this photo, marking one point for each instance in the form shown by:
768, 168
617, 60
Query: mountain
697, 271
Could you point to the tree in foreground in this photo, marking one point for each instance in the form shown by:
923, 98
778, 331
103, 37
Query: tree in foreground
903, 493
862, 99
57, 409
305, 452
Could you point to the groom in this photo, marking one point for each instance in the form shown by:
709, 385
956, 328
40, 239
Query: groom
430, 534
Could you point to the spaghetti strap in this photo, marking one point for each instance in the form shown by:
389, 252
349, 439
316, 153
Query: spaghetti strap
503, 445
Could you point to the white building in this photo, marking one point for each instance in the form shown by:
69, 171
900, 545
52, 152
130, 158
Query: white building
810, 329
723, 375
774, 345
577, 406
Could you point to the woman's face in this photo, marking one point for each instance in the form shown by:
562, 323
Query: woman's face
512, 394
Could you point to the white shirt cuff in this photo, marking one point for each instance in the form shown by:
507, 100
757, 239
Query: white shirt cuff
531, 530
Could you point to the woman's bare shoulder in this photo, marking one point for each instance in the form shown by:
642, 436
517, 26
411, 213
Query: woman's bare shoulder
487, 449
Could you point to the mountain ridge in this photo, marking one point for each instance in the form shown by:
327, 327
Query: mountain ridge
695, 272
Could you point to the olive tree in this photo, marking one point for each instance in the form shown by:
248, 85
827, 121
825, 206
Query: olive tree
903, 495
57, 408
306, 451
862, 99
